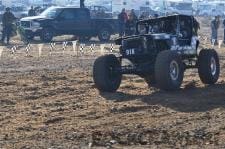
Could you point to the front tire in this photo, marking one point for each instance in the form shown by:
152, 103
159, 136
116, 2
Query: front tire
169, 70
208, 66
47, 35
106, 76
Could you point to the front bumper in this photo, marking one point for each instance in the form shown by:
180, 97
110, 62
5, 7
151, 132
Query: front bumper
33, 31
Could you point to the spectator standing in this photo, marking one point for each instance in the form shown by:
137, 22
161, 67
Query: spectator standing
32, 11
215, 23
7, 21
131, 25
82, 4
142, 16
122, 22
133, 15
224, 31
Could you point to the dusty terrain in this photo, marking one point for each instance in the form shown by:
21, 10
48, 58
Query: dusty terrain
51, 102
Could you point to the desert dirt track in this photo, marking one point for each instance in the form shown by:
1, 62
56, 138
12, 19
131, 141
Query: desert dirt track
51, 102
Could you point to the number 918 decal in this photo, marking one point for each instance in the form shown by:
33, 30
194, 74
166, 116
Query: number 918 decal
130, 51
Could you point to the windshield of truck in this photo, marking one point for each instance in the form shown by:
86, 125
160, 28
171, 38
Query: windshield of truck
51, 12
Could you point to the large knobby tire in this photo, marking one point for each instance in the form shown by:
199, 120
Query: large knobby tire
104, 34
208, 66
47, 34
169, 70
106, 76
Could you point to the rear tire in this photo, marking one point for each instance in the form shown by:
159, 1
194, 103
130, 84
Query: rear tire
208, 66
105, 75
169, 70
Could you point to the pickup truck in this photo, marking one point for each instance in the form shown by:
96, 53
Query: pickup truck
56, 21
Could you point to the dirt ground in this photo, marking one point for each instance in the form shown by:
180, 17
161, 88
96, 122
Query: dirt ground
51, 102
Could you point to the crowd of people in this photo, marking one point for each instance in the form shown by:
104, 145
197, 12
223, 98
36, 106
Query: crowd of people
33, 11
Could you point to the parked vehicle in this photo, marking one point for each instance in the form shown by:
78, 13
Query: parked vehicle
56, 21
210, 10
164, 48
152, 11
184, 8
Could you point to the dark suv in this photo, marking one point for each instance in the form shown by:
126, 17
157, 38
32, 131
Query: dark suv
160, 53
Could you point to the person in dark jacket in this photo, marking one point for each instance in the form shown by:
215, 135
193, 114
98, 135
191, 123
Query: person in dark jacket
82, 4
32, 11
131, 25
224, 31
122, 22
133, 15
215, 24
144, 15
7, 21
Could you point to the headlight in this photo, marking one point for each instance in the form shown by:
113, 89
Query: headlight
35, 24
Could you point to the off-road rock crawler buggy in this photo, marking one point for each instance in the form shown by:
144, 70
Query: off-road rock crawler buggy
160, 52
